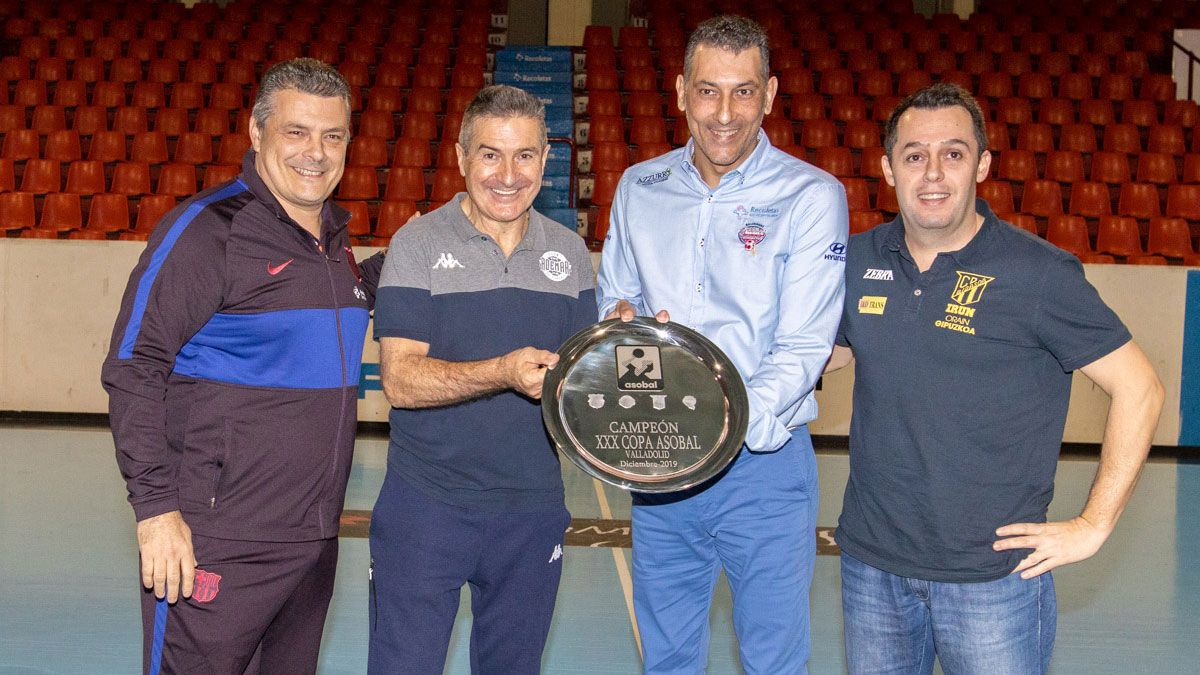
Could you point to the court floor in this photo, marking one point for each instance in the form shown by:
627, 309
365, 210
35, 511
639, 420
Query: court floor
68, 599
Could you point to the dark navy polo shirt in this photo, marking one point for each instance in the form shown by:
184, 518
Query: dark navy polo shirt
962, 380
449, 285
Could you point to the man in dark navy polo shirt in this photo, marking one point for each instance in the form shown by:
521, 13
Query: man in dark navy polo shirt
473, 299
965, 331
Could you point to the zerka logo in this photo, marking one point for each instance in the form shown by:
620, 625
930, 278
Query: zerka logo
639, 368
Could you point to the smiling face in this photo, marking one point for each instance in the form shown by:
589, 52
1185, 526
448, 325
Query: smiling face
725, 99
503, 169
934, 167
301, 150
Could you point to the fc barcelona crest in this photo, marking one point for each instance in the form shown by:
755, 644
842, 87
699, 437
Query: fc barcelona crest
206, 587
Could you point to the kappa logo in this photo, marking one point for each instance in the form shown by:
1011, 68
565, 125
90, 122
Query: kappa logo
555, 266
873, 274
556, 554
206, 586
276, 269
654, 177
446, 261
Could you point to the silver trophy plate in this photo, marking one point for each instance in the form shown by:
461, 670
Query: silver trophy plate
645, 406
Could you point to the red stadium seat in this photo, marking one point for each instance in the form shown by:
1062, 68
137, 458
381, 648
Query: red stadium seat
848, 107
392, 216
1110, 167
109, 213
1035, 137
1183, 201
1054, 64
1056, 111
640, 79
1139, 112
21, 144
1157, 87
647, 151
911, 81
1075, 86
1079, 137
178, 180
818, 134
654, 130
861, 221
605, 187
194, 148
1035, 86
603, 128
995, 85
1122, 138
1069, 233
405, 183
368, 151
861, 134
858, 193
67, 93
8, 178
420, 125
901, 60
61, 212
836, 82
1041, 198
1183, 113
1139, 200
447, 182
41, 176
360, 218
642, 104
796, 81
977, 62
358, 182
131, 178
997, 193
875, 83
1022, 221
411, 152
1170, 237
232, 147
1156, 167
1191, 169
1166, 138
885, 198
1119, 236
30, 93
1018, 165
836, 160
171, 121
63, 145
997, 134
1090, 199
1064, 166
1014, 110
85, 177
17, 210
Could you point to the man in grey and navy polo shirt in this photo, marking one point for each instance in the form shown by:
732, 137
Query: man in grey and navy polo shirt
965, 331
473, 300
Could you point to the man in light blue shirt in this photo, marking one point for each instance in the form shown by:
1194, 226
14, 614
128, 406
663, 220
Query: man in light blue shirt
746, 244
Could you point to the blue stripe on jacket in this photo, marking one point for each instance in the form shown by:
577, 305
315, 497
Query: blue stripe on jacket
160, 256
293, 349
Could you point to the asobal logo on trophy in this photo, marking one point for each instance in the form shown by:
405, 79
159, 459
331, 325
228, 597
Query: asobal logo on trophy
639, 367
645, 406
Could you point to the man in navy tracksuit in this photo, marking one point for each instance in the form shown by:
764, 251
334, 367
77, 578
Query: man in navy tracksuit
232, 380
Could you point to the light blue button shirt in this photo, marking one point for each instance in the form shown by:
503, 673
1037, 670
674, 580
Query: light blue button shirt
755, 265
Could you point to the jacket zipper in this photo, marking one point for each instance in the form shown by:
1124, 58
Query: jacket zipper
374, 598
337, 315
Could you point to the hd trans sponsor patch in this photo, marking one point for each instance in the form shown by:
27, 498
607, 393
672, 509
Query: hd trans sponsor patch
872, 304
654, 177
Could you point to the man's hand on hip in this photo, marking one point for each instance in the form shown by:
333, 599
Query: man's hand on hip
1054, 544
168, 561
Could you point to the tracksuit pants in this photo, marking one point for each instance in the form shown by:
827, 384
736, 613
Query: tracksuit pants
258, 607
423, 551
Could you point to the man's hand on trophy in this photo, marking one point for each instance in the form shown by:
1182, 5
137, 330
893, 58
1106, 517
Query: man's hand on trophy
625, 311
526, 369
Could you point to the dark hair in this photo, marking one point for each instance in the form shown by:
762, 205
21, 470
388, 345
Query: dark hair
934, 97
503, 101
732, 33
308, 76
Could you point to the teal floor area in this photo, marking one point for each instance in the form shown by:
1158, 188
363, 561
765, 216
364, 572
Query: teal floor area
69, 603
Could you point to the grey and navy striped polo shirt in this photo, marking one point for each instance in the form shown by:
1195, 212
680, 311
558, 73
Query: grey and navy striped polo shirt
447, 284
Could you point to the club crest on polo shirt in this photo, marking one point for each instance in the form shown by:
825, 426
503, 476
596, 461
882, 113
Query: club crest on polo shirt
555, 266
967, 291
654, 177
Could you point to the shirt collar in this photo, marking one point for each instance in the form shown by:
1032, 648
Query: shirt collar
893, 237
464, 229
738, 175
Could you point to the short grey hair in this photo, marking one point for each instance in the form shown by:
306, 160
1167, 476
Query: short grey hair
732, 33
502, 101
305, 75
935, 97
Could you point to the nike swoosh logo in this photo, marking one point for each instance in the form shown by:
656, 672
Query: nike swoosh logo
276, 269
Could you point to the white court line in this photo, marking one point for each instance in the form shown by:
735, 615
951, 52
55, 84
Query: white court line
622, 566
